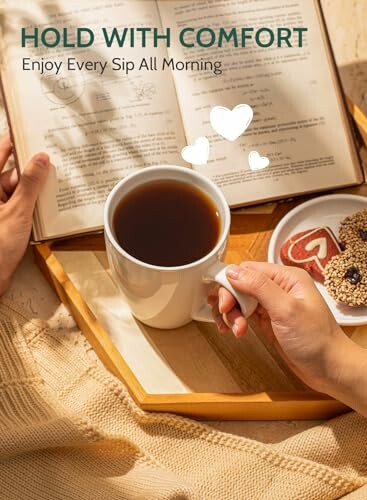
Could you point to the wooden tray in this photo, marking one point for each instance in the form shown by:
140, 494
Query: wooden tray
192, 371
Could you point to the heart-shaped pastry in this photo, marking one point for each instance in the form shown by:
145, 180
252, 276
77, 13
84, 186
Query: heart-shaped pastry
311, 250
257, 162
230, 124
197, 153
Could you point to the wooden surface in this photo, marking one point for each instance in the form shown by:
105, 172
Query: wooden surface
360, 121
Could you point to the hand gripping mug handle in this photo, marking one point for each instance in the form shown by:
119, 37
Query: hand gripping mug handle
217, 272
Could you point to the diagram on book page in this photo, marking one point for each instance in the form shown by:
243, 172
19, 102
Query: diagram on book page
66, 88
63, 89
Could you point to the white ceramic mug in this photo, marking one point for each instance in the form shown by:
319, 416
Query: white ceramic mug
169, 297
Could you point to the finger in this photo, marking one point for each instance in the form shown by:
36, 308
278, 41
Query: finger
9, 181
213, 301
5, 150
31, 183
284, 276
259, 285
3, 196
222, 327
236, 322
226, 300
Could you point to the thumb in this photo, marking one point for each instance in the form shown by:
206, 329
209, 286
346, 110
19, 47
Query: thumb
259, 285
31, 183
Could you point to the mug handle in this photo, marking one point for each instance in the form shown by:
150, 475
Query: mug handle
217, 272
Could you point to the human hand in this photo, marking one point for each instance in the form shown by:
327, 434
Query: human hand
294, 317
17, 201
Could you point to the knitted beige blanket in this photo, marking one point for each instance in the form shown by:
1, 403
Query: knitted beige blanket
69, 430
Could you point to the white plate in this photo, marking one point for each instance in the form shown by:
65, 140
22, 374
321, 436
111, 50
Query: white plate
323, 211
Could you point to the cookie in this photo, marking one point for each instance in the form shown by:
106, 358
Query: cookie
311, 250
353, 230
346, 277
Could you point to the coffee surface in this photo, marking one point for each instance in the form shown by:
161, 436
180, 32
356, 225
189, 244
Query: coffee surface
167, 223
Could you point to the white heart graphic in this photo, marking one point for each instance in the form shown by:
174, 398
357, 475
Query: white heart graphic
197, 153
230, 124
257, 162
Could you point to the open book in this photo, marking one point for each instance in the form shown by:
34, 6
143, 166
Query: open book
99, 127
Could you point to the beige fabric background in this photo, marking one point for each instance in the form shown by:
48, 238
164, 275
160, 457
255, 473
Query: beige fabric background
69, 429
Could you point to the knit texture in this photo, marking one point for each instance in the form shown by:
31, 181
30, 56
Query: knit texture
70, 430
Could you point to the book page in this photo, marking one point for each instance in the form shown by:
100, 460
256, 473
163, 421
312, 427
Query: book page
97, 124
298, 121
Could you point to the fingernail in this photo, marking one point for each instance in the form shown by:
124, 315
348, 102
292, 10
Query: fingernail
235, 330
43, 161
234, 272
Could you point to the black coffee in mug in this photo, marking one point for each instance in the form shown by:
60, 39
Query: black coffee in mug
167, 223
